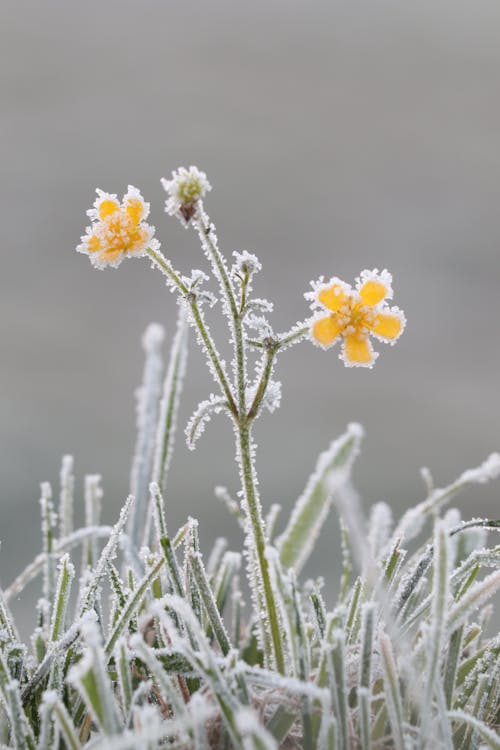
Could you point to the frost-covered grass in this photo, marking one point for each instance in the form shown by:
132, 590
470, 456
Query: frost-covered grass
142, 643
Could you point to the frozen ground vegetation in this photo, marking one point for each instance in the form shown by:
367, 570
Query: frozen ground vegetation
142, 643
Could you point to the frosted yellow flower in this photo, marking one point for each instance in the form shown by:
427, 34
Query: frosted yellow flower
118, 229
355, 314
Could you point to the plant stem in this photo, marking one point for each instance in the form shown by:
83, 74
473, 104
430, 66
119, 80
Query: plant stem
252, 505
159, 259
264, 381
254, 512
293, 337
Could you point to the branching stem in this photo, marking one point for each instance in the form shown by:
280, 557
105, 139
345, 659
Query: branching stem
159, 259
244, 453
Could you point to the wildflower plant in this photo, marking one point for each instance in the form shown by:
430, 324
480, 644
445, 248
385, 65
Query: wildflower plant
150, 645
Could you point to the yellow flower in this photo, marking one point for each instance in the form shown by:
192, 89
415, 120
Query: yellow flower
118, 229
355, 314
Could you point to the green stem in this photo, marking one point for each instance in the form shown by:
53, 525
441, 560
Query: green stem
264, 381
255, 516
166, 268
294, 336
252, 502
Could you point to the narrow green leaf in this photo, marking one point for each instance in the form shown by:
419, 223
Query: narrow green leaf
332, 469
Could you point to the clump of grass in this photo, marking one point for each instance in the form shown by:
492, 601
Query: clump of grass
150, 645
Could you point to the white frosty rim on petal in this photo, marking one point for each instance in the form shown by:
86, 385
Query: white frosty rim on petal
93, 213
134, 194
320, 286
319, 315
383, 277
396, 311
367, 365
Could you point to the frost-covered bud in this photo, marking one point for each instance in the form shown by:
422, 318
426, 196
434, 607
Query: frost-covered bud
245, 263
186, 188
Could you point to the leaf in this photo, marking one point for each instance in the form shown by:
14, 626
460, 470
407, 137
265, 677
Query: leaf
307, 517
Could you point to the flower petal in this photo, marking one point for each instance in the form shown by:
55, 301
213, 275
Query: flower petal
135, 206
373, 287
325, 330
93, 243
389, 325
107, 207
333, 297
358, 351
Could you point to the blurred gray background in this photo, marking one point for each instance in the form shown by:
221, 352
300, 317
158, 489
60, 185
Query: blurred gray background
337, 136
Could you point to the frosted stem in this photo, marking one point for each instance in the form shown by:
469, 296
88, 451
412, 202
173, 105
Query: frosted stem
273, 647
175, 282
253, 511
271, 350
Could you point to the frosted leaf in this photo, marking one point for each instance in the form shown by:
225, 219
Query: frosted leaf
153, 337
169, 404
196, 279
255, 736
194, 285
67, 481
259, 324
486, 472
309, 513
222, 494
272, 396
216, 554
259, 306
414, 519
475, 597
201, 416
379, 528
147, 396
107, 555
426, 475
206, 297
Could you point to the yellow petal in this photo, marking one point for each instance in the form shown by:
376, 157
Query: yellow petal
333, 297
93, 243
107, 207
388, 325
110, 255
326, 330
358, 351
373, 291
135, 209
